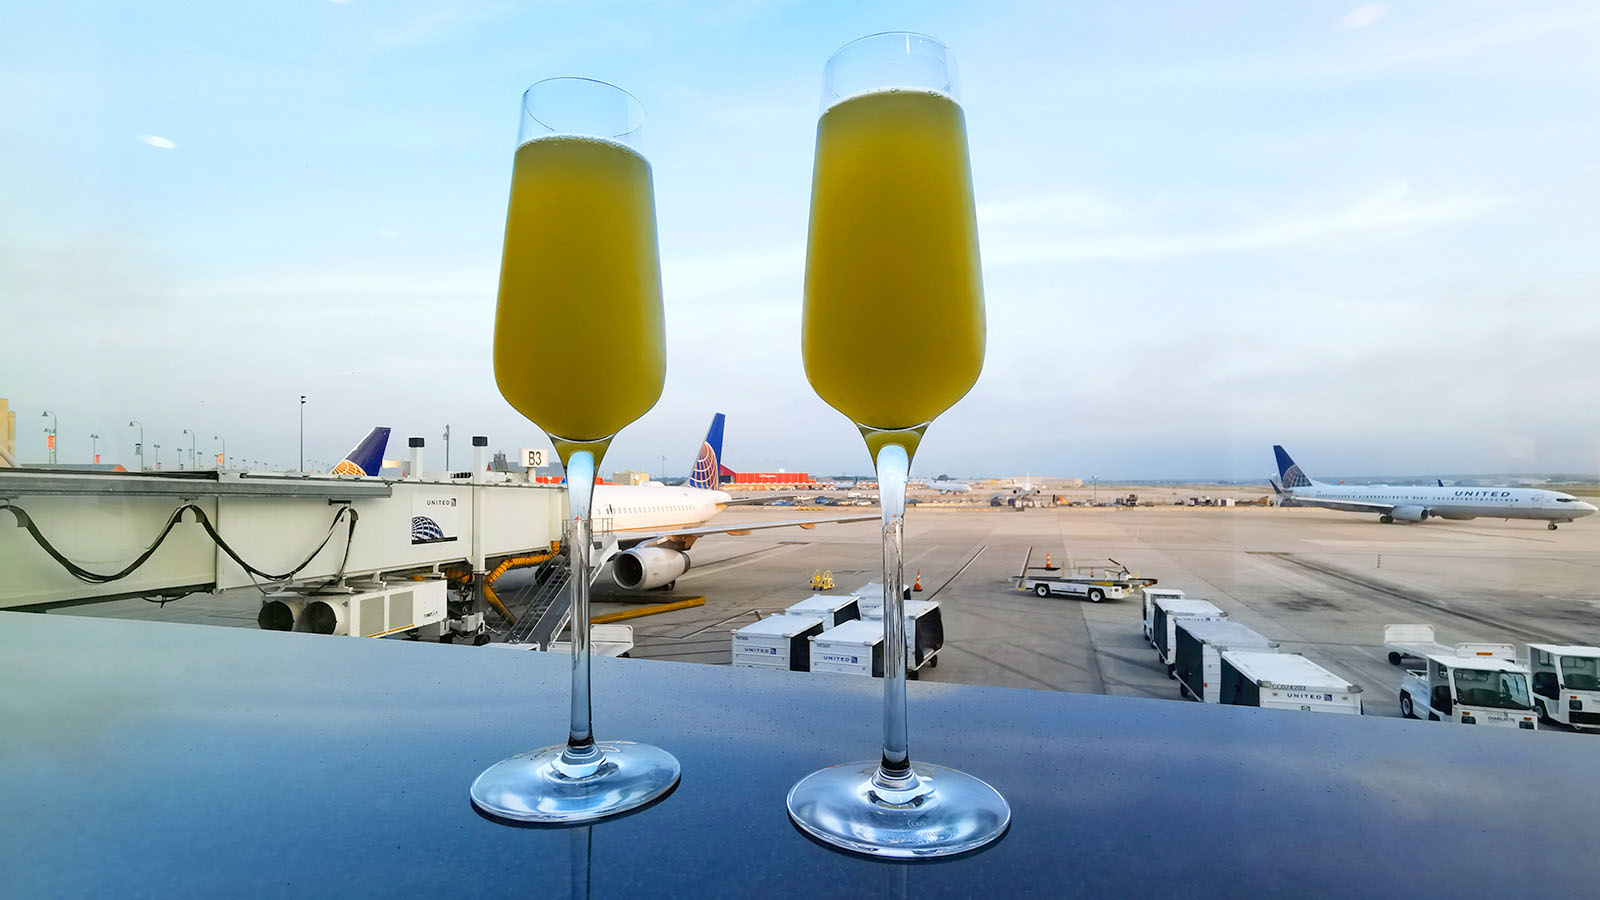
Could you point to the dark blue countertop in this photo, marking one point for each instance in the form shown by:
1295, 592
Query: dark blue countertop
173, 760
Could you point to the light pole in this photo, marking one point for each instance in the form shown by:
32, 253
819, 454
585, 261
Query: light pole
138, 449
302, 434
50, 439
222, 458
663, 459
157, 449
1096, 480
194, 457
94, 447
447, 449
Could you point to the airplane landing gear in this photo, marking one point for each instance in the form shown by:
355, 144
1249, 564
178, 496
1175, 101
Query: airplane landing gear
1386, 519
1551, 526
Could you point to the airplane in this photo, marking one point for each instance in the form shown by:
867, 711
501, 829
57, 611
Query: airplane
366, 457
1026, 488
655, 525
950, 487
1418, 504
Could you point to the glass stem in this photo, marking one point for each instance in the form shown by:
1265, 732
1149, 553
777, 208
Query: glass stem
894, 772
582, 757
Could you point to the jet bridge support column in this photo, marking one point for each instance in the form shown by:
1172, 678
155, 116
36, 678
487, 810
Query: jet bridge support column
480, 445
415, 470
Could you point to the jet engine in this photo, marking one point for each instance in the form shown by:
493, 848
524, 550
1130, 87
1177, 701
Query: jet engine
1410, 513
643, 568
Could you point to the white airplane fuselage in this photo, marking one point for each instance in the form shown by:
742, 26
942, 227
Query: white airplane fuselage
1418, 503
623, 508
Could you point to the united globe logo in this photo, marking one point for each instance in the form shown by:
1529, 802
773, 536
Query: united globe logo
346, 467
426, 531
705, 469
1295, 478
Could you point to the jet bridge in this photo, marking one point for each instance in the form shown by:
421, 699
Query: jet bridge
88, 537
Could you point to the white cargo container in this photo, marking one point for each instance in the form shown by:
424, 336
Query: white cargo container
1148, 596
924, 631
869, 597
1198, 662
1167, 615
835, 609
776, 642
1285, 681
853, 648
1566, 683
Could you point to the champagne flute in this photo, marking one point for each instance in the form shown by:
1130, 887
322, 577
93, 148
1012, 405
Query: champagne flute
581, 270
893, 238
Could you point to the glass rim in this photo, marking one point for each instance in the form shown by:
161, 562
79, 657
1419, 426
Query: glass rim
832, 96
634, 102
879, 34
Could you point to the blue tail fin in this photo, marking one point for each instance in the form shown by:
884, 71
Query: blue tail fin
1289, 472
367, 457
707, 474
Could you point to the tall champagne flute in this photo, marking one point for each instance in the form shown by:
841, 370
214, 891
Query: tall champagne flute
580, 271
893, 238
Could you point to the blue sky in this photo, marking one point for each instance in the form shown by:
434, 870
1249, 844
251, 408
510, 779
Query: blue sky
1364, 231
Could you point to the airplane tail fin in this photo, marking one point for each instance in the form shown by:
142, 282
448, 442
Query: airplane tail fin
1289, 472
366, 458
707, 474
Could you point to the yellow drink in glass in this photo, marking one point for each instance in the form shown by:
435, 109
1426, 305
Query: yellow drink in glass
580, 291
893, 250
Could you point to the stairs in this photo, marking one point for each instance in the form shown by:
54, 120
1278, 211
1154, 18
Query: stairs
542, 604
545, 604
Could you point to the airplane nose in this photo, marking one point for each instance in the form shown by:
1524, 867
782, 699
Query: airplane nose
1587, 507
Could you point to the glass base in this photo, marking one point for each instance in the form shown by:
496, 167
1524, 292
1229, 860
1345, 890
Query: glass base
841, 806
529, 787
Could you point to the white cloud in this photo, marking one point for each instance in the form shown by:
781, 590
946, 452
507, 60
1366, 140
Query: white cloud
1362, 16
160, 143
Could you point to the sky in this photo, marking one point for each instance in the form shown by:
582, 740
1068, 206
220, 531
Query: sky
1364, 231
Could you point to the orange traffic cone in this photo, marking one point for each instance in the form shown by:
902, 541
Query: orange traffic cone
918, 585
1047, 562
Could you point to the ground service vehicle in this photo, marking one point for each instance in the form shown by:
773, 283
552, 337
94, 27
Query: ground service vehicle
1471, 690
1090, 582
1417, 642
1566, 684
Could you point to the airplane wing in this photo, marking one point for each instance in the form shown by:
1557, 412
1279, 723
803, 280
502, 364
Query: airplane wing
1344, 505
687, 536
756, 501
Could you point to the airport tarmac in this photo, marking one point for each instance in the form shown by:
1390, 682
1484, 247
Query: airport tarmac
1322, 583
